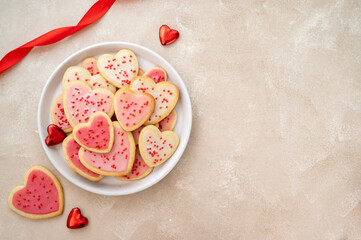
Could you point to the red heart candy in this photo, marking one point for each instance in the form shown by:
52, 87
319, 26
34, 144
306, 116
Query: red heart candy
56, 135
167, 35
76, 220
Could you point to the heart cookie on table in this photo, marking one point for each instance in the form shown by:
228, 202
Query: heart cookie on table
90, 64
71, 150
118, 161
77, 73
41, 196
132, 110
80, 102
156, 147
158, 74
165, 95
96, 135
139, 170
58, 115
119, 69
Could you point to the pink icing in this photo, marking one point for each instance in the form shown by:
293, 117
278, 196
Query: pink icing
136, 134
72, 150
117, 159
39, 196
82, 104
132, 109
168, 122
139, 168
97, 135
156, 74
59, 115
90, 64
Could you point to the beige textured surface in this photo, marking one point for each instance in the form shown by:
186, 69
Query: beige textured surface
275, 146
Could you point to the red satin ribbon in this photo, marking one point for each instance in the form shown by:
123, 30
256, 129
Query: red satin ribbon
92, 15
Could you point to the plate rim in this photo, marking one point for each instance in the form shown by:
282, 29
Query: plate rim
181, 147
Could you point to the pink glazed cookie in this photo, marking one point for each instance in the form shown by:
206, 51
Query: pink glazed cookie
119, 69
77, 73
90, 64
156, 147
168, 123
158, 74
97, 135
118, 161
139, 170
132, 110
58, 115
80, 102
71, 150
165, 95
41, 196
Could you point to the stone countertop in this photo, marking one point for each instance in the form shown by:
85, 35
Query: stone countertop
275, 149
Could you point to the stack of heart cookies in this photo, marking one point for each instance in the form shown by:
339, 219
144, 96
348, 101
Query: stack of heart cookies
119, 118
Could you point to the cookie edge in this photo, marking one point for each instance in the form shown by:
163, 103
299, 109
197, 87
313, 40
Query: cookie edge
70, 128
139, 177
71, 164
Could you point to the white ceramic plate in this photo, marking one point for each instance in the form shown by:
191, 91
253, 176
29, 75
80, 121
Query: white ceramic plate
110, 185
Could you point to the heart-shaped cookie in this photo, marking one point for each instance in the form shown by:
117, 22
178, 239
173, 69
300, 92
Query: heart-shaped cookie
55, 135
41, 196
119, 69
158, 74
132, 110
96, 135
90, 64
167, 35
58, 115
118, 161
71, 150
156, 147
165, 95
168, 123
80, 102
77, 73
139, 170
